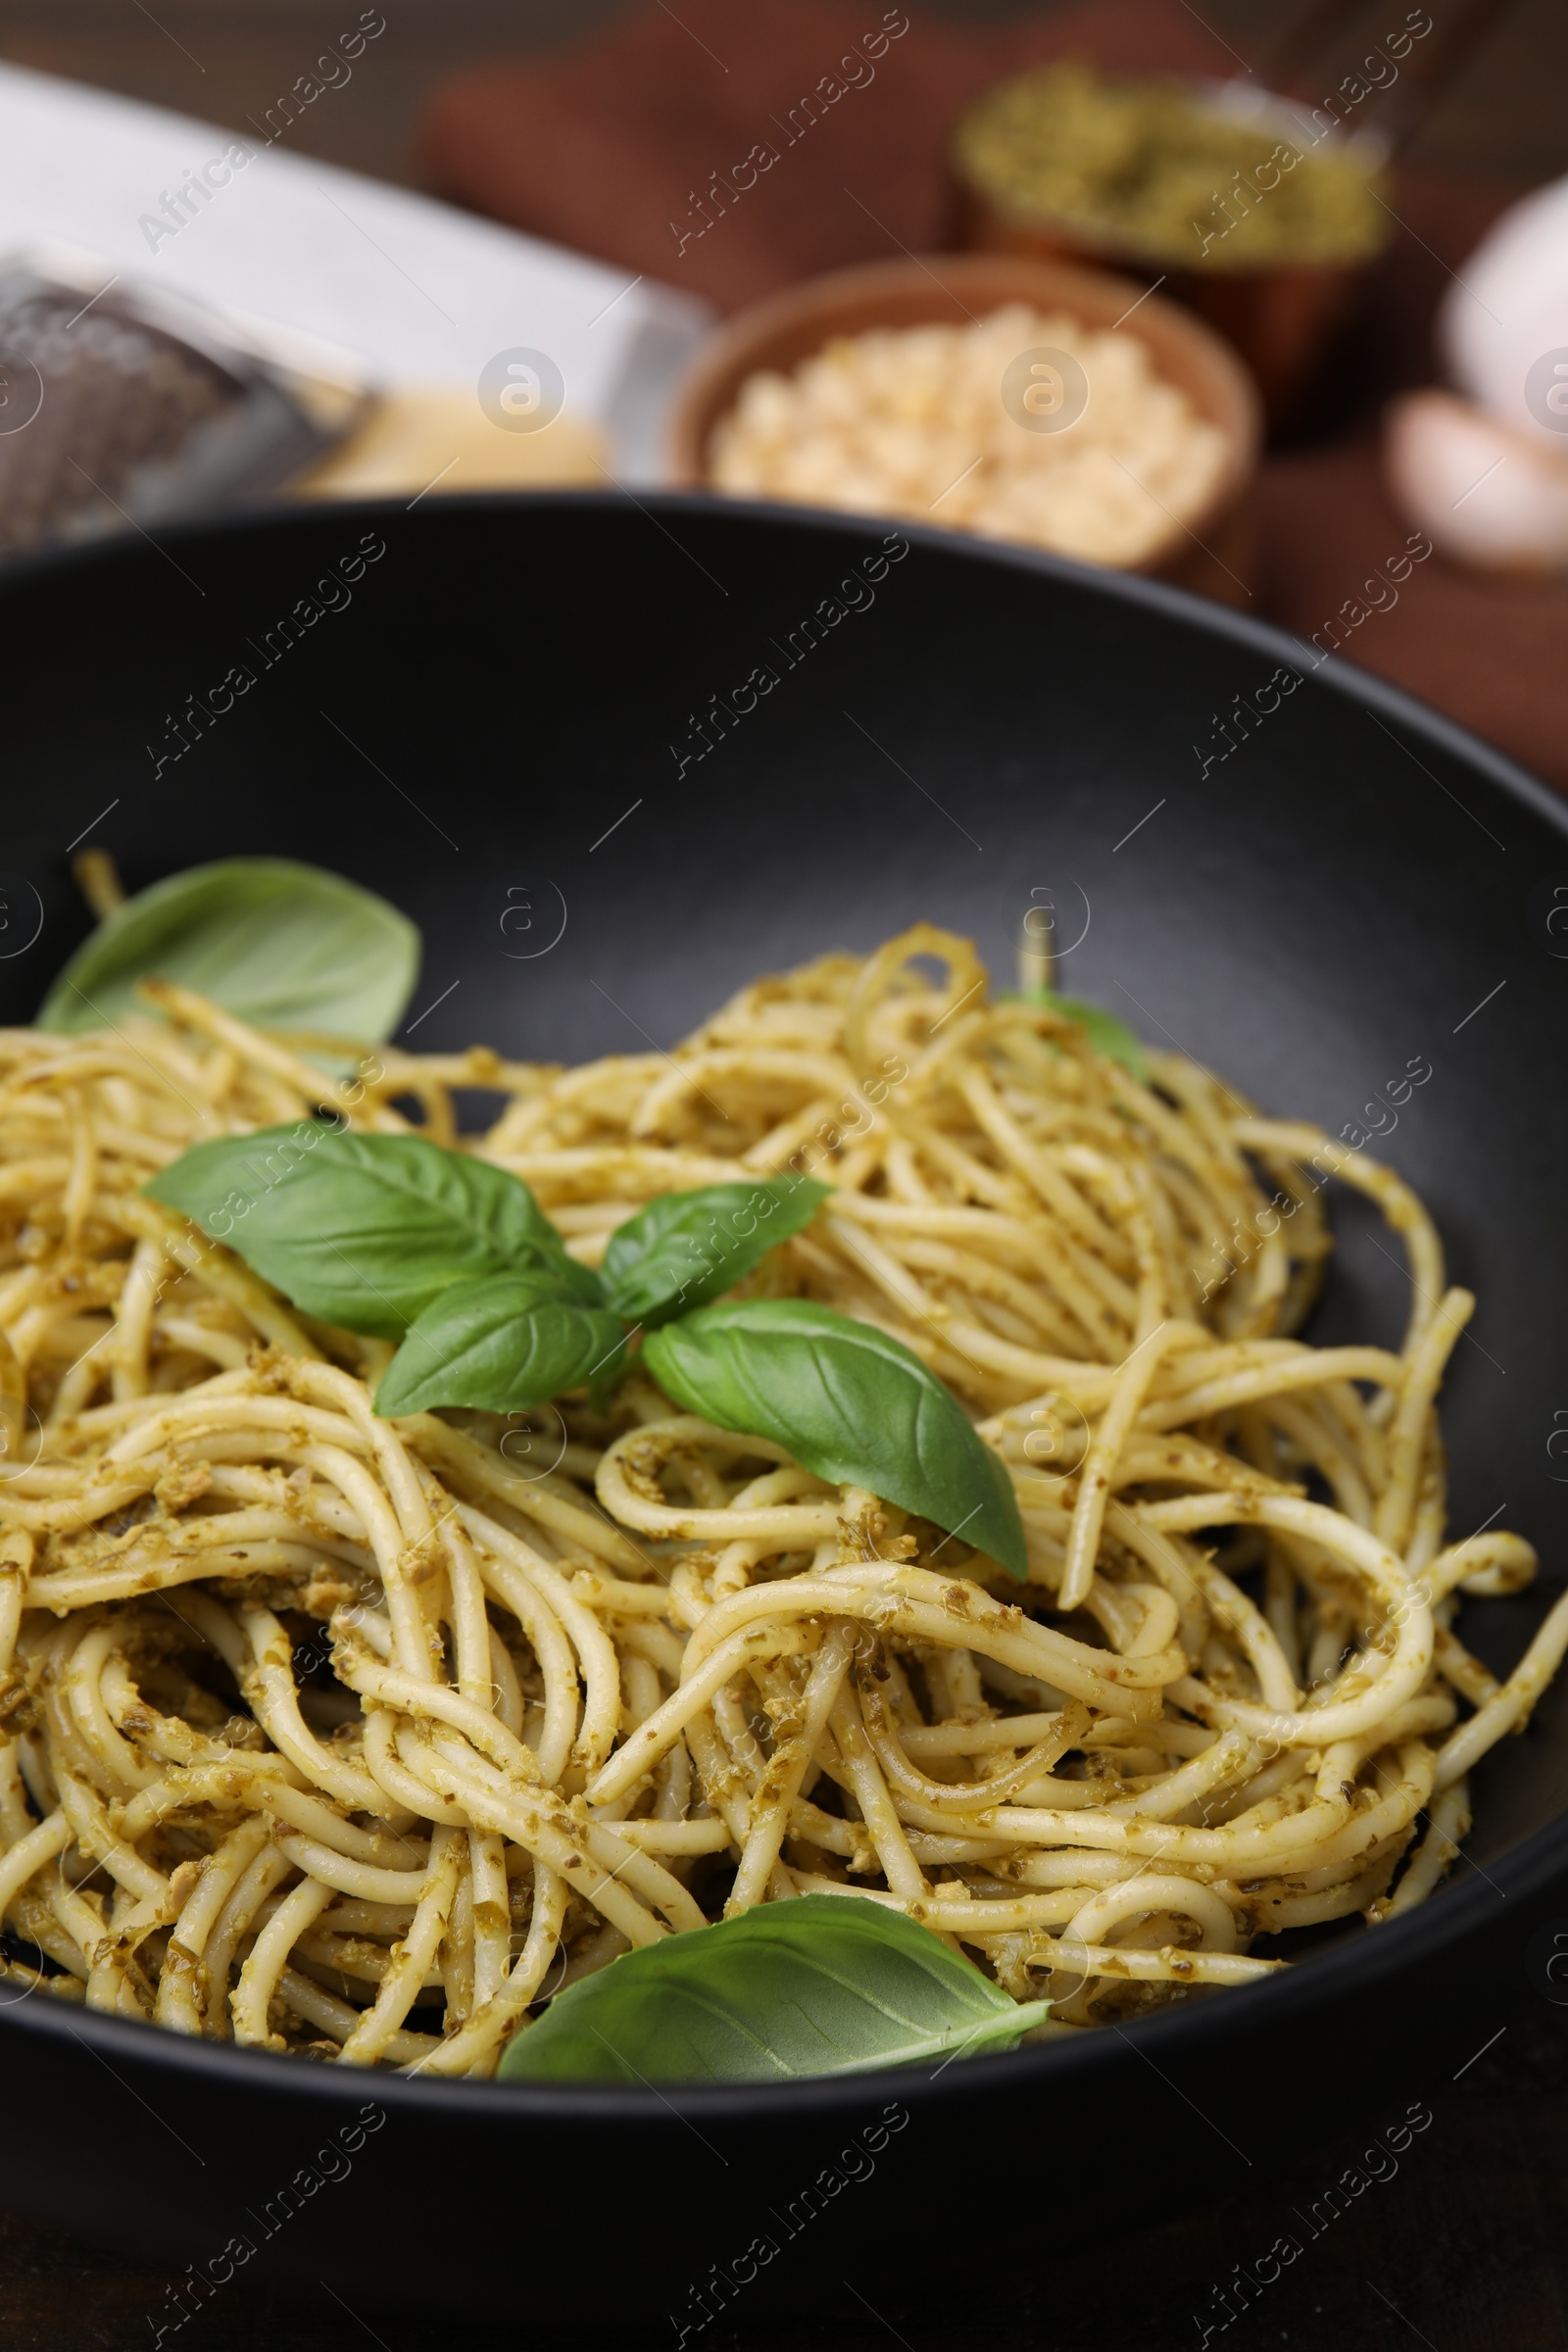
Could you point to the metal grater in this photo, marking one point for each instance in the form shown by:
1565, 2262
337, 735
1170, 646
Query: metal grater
122, 405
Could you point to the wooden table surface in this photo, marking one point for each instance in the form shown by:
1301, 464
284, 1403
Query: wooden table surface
1464, 2248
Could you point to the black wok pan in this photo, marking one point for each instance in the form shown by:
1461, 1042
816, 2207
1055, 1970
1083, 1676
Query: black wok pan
541, 727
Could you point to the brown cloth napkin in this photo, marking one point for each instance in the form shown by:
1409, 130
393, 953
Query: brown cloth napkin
634, 146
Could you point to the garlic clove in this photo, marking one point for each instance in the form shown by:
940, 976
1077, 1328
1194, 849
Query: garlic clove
1483, 493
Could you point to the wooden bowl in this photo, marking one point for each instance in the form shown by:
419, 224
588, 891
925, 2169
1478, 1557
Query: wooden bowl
1210, 553
1284, 318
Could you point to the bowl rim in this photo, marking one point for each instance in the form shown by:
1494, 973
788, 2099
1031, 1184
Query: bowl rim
1363, 1959
707, 390
1266, 637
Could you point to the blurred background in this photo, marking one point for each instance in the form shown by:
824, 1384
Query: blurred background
1506, 118
263, 248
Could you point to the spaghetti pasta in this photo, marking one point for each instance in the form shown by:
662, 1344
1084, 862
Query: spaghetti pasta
359, 1738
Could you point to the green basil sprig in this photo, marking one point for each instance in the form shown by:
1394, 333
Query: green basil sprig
399, 1237
850, 1402
501, 1345
366, 1230
685, 1249
281, 945
827, 1985
1104, 1032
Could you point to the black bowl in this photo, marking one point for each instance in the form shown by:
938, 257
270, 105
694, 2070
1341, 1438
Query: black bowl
615, 759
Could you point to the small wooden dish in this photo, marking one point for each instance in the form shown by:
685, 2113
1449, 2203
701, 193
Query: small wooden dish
1207, 554
1284, 318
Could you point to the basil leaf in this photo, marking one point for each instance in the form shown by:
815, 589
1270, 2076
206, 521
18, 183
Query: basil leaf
366, 1230
688, 1247
1104, 1032
825, 1985
851, 1404
281, 945
500, 1344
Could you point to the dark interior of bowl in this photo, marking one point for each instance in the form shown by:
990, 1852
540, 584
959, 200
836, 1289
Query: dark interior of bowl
618, 759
